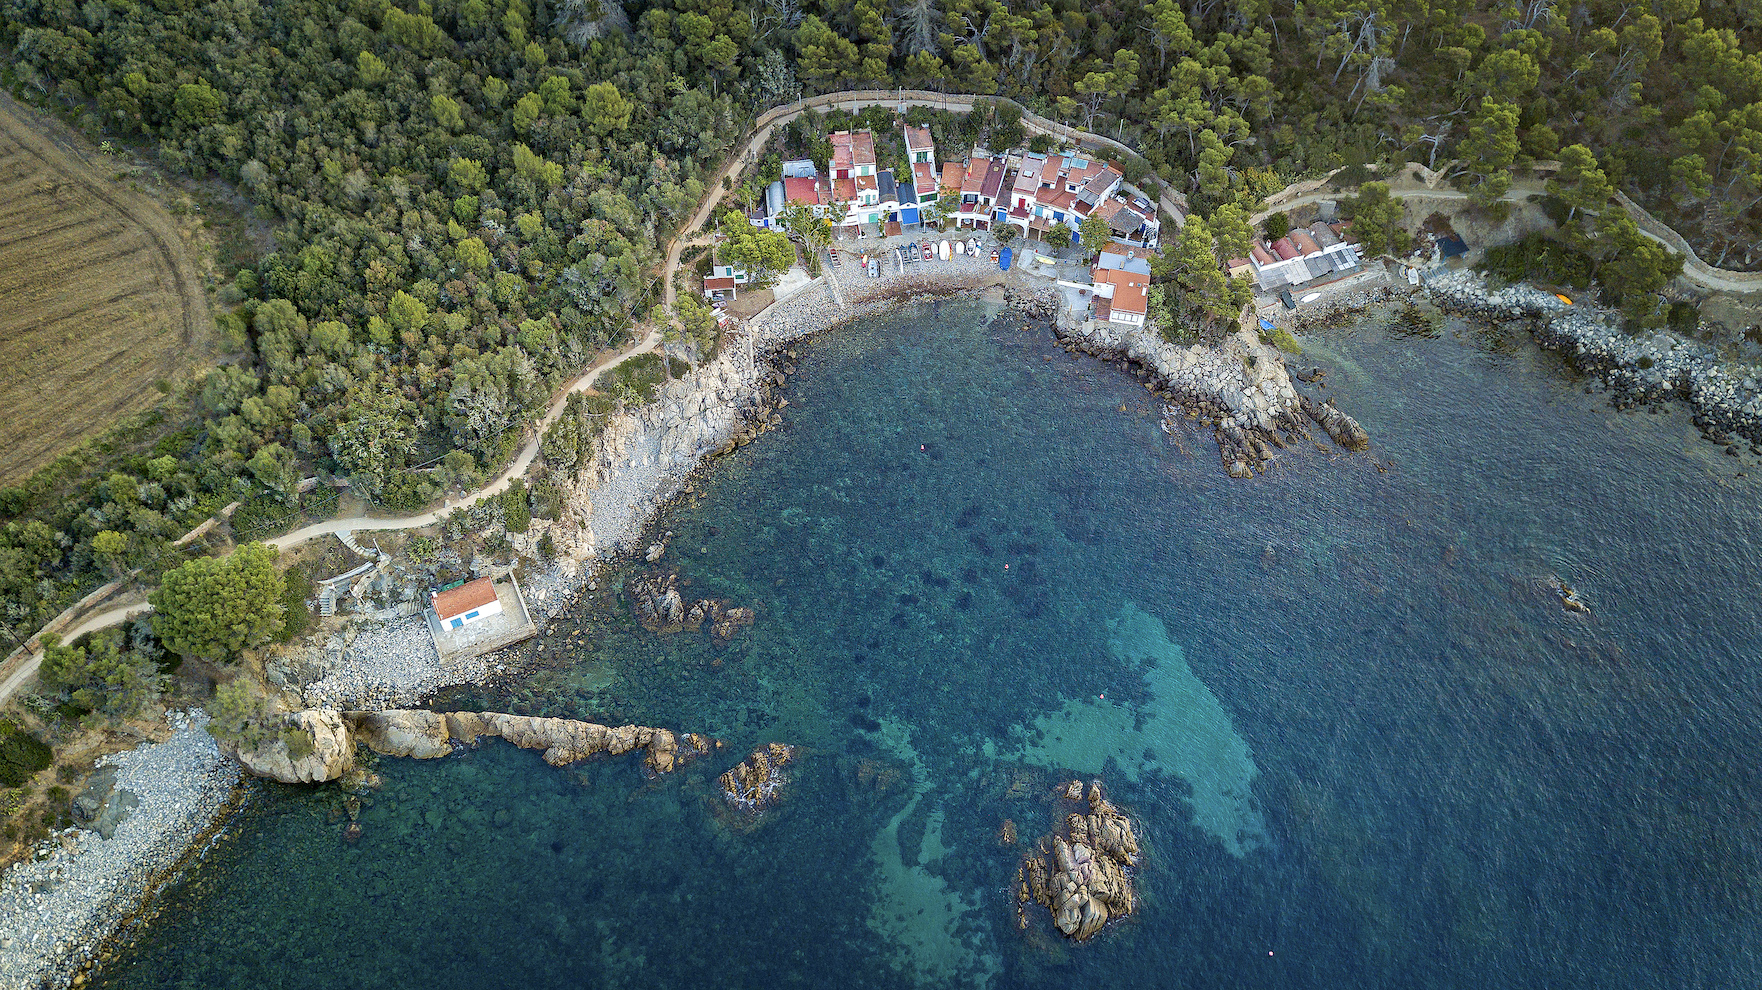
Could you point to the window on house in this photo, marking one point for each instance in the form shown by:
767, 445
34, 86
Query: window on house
456, 623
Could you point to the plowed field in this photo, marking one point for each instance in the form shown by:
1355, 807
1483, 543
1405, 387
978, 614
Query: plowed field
99, 298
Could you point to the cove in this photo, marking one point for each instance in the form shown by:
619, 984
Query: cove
1366, 745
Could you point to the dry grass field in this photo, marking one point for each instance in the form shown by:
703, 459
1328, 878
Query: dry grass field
100, 297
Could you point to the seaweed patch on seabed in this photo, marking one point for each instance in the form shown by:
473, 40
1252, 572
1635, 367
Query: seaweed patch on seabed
914, 910
1184, 731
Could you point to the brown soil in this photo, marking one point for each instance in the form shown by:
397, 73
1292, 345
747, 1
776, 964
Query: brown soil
103, 299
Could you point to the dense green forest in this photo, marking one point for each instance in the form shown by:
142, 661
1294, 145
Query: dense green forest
473, 196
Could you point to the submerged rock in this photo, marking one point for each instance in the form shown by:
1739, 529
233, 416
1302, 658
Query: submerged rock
1080, 875
661, 609
1342, 428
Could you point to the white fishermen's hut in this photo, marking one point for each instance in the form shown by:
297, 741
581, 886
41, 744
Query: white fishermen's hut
468, 603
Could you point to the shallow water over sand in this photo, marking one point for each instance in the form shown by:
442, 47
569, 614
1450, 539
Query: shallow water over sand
1367, 746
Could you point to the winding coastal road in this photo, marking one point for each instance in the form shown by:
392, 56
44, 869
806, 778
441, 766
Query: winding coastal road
1169, 200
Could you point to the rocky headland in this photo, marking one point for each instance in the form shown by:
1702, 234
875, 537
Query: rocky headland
1640, 368
1241, 386
318, 745
1080, 871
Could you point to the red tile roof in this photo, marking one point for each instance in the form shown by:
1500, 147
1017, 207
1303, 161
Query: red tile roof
978, 173
924, 179
918, 139
954, 174
1131, 293
1305, 243
464, 598
844, 190
1285, 249
718, 283
993, 181
842, 153
804, 190
863, 148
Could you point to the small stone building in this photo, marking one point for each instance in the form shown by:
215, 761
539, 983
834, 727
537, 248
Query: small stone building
468, 603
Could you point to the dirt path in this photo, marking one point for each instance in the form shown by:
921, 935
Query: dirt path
1693, 268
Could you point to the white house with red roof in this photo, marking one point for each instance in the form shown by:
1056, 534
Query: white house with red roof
465, 604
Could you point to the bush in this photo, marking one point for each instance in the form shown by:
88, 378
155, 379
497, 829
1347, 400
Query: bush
22, 756
1281, 338
1538, 258
296, 617
1276, 225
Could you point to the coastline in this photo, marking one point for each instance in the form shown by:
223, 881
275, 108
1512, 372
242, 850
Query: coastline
60, 907
1657, 366
644, 457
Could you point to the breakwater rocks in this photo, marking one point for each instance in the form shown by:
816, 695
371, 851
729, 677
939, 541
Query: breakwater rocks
1239, 385
1080, 873
424, 735
1644, 368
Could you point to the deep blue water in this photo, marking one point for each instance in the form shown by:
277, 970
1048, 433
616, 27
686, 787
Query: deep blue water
1366, 745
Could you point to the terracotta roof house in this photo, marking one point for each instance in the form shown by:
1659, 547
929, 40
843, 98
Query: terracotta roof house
1286, 250
843, 163
804, 189
469, 602
1127, 294
862, 152
920, 153
954, 175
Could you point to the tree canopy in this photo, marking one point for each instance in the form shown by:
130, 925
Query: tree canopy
215, 608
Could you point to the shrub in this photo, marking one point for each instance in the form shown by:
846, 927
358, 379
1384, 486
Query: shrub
1281, 338
22, 755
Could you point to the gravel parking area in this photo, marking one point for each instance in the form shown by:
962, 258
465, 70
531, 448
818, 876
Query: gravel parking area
57, 907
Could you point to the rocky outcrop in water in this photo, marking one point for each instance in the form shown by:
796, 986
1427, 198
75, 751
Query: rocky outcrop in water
1642, 368
1080, 875
425, 735
1240, 385
756, 782
661, 609
1344, 430
305, 747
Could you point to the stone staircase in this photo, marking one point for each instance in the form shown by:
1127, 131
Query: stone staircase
327, 601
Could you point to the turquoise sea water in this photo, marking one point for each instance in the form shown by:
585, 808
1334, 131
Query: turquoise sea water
1366, 745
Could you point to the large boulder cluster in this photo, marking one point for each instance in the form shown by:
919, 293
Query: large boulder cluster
1081, 874
661, 609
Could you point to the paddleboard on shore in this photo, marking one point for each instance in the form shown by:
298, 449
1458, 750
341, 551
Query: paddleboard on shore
1003, 259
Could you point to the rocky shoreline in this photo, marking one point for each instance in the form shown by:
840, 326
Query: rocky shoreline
1240, 386
58, 908
1660, 365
